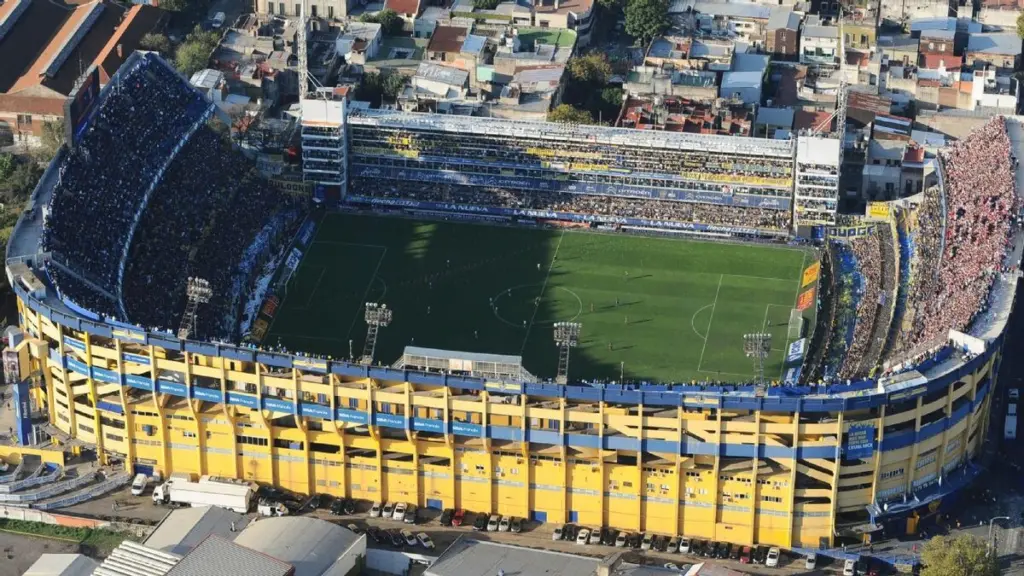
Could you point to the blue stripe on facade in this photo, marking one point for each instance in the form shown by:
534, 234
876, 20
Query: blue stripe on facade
207, 394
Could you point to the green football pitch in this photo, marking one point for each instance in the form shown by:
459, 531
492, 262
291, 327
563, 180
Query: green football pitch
661, 309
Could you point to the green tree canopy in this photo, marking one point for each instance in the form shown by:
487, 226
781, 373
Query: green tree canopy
194, 53
1020, 25
7, 164
590, 69
486, 4
646, 19
963, 555
570, 114
389, 20
53, 137
156, 43
376, 87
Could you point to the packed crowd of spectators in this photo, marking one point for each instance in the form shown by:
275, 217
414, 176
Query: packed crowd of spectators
867, 252
587, 204
960, 250
103, 181
200, 222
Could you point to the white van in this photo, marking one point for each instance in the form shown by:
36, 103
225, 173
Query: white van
139, 484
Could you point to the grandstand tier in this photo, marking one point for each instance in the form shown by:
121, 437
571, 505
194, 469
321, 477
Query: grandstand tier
795, 465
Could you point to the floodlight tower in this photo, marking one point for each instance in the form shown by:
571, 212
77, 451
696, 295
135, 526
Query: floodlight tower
567, 336
198, 292
757, 346
377, 316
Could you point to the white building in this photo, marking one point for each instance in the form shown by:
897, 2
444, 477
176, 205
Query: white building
819, 43
360, 42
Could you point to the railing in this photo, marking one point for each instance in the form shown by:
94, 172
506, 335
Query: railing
48, 492
112, 483
36, 479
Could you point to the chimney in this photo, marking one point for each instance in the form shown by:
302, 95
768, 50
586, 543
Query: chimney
120, 51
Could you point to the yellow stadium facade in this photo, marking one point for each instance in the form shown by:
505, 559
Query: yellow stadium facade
791, 468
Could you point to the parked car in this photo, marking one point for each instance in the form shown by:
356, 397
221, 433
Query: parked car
446, 517
709, 550
849, 568
504, 524
517, 524
355, 529
569, 532
557, 534
583, 536
621, 539
317, 501
409, 538
459, 517
399, 512
375, 510
410, 515
635, 541
734, 552
139, 484
811, 561
772, 559
348, 506
645, 541
338, 507
610, 535
480, 523
396, 539
684, 545
673, 545
218, 20
492, 523
760, 554
746, 555
723, 551
595, 536
375, 534
425, 541
388, 510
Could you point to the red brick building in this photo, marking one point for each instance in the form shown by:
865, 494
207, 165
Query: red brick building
45, 46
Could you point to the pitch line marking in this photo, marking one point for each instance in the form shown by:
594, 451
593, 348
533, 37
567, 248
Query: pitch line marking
796, 299
694, 318
714, 305
509, 291
544, 286
369, 286
316, 285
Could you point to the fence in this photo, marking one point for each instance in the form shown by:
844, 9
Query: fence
37, 478
111, 483
50, 491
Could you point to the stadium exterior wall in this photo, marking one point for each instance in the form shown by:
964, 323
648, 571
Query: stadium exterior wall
718, 463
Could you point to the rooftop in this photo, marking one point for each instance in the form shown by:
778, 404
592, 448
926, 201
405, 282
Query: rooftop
444, 74
448, 39
217, 556
474, 558
312, 546
62, 565
676, 114
726, 9
750, 63
898, 42
783, 18
814, 28
184, 529
403, 6
564, 6
1001, 43
775, 116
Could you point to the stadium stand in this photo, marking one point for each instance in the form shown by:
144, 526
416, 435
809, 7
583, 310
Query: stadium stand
961, 239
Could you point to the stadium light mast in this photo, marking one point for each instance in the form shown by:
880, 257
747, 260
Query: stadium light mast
567, 336
757, 346
377, 316
198, 292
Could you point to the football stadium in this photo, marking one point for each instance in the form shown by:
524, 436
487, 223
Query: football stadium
662, 332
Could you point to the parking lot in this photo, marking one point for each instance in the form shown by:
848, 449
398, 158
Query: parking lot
540, 536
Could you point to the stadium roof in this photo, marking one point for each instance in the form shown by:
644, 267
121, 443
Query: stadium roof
312, 546
541, 130
474, 558
216, 556
184, 529
323, 112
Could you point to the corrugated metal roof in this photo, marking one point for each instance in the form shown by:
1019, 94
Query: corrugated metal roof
219, 557
308, 544
775, 116
740, 80
750, 62
473, 558
783, 18
994, 43
444, 74
131, 559
186, 528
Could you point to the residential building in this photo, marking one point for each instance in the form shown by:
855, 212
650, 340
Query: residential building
899, 13
407, 10
901, 48
782, 34
673, 114
435, 82
774, 122
360, 42
328, 9
1001, 14
1000, 50
577, 15
691, 84
530, 94
819, 43
740, 21
46, 47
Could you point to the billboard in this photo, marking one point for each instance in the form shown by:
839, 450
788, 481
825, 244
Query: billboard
80, 103
806, 299
878, 211
860, 441
811, 274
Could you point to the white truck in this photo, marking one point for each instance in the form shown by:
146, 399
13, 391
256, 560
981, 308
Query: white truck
209, 491
1010, 424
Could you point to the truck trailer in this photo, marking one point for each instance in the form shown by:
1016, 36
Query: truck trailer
209, 491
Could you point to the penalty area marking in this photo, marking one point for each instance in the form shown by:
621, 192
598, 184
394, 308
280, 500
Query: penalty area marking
693, 320
710, 320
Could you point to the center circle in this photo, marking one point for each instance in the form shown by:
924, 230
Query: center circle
518, 304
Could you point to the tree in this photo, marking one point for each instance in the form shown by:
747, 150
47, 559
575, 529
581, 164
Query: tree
194, 53
646, 19
570, 114
53, 137
590, 69
7, 165
964, 555
486, 4
156, 43
393, 84
389, 20
375, 87
1020, 25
